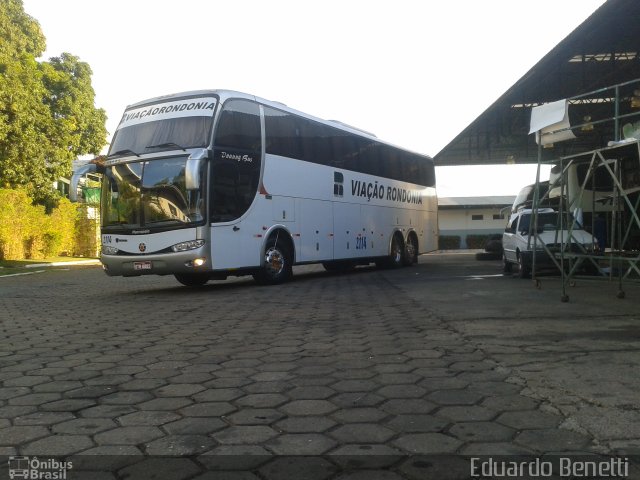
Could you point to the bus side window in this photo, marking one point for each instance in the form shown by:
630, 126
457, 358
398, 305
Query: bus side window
283, 134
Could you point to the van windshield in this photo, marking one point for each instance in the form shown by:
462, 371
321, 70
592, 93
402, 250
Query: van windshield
549, 221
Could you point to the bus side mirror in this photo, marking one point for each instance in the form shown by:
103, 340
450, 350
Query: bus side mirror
78, 174
192, 170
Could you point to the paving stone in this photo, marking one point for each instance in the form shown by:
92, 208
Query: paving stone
552, 440
249, 435
208, 409
35, 399
148, 417
178, 390
495, 388
481, 432
408, 406
169, 403
529, 419
218, 395
455, 397
128, 435
255, 416
368, 474
181, 445
57, 386
402, 391
143, 384
43, 418
58, 445
417, 423
106, 411
466, 413
301, 444
27, 381
308, 407
68, 405
13, 392
510, 403
359, 415
91, 392
357, 399
261, 400
194, 425
20, 434
355, 386
311, 392
305, 424
362, 433
84, 426
126, 398
397, 378
427, 443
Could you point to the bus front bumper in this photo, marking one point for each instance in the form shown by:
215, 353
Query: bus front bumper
190, 261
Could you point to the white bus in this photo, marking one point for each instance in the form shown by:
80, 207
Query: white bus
209, 184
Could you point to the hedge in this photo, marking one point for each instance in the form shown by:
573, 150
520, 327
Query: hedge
28, 232
448, 242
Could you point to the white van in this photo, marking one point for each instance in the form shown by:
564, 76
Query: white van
518, 240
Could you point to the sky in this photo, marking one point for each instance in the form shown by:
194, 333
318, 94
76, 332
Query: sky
413, 72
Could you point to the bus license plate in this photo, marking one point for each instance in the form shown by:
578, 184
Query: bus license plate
142, 265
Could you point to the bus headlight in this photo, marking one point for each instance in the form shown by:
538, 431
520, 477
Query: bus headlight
108, 250
190, 245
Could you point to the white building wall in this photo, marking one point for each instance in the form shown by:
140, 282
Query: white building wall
461, 222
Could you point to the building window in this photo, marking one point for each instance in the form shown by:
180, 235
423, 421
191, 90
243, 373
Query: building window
477, 217
497, 216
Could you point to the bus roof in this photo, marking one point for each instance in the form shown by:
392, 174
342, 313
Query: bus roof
224, 94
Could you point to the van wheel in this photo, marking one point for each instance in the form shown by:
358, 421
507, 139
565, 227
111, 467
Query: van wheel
192, 279
276, 266
507, 267
524, 270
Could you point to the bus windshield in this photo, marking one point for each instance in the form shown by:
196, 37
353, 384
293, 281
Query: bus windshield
150, 194
170, 134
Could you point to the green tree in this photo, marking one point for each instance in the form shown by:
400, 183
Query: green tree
47, 112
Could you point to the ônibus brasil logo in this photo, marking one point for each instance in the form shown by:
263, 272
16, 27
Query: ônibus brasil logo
33, 468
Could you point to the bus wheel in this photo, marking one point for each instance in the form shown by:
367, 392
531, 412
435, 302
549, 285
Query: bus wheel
410, 251
276, 267
192, 279
395, 258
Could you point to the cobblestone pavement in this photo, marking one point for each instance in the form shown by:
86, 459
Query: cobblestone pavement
319, 378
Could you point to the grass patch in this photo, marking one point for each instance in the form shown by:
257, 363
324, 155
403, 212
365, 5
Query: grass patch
8, 267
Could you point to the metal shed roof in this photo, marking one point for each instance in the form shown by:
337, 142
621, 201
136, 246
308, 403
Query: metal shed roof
603, 51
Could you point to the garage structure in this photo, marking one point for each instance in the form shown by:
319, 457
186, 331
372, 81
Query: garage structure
595, 74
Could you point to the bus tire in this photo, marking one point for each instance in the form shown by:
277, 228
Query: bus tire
192, 279
395, 259
277, 264
410, 251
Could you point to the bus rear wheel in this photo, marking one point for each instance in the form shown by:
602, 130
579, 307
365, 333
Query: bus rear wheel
410, 251
276, 266
192, 279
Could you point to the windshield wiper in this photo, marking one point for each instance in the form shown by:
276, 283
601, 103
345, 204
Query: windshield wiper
124, 152
167, 144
